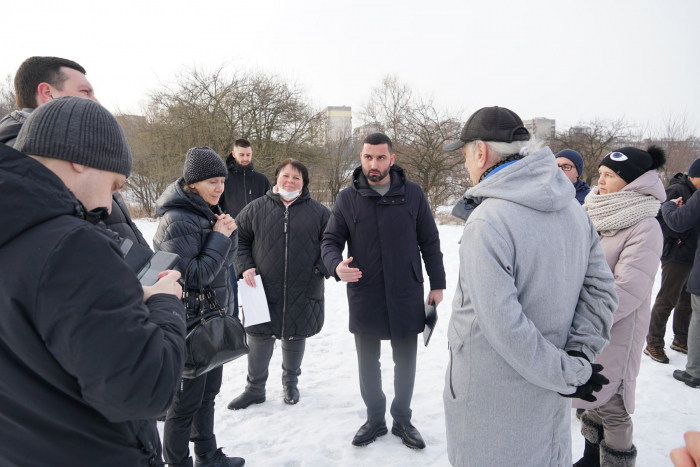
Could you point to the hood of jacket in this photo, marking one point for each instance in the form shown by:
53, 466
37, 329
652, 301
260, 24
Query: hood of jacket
236, 168
534, 181
31, 195
397, 178
174, 197
648, 184
12, 123
682, 179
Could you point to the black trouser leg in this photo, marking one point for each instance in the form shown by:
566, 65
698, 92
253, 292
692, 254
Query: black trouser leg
189, 404
261, 349
404, 353
674, 277
368, 352
203, 422
681, 316
292, 355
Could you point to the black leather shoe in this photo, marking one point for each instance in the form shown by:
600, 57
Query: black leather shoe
408, 434
291, 395
369, 432
681, 375
246, 399
217, 459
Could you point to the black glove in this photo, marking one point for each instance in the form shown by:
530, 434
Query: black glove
594, 384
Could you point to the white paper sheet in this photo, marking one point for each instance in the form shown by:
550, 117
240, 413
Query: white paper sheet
254, 302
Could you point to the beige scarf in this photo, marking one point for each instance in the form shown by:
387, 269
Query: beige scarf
616, 211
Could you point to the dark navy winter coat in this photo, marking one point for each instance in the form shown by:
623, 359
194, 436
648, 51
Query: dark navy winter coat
679, 246
386, 237
242, 186
582, 189
185, 228
86, 366
283, 244
682, 219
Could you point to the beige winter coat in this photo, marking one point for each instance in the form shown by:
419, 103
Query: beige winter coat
634, 255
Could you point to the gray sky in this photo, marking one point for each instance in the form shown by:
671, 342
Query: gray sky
571, 61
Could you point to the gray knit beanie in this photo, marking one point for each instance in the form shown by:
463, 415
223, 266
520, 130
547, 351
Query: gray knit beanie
78, 130
202, 164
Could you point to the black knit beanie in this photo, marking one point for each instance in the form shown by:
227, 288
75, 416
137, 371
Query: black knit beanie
631, 163
201, 164
78, 130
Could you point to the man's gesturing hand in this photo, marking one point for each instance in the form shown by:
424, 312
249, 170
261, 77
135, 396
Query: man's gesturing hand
346, 273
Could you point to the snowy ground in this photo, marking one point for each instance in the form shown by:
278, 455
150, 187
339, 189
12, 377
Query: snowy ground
318, 430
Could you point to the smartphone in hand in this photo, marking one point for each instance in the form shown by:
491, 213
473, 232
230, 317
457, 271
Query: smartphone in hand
159, 262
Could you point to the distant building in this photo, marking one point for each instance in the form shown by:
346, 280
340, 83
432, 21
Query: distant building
580, 130
540, 127
338, 123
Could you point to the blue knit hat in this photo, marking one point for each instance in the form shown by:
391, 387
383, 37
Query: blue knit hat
574, 157
694, 170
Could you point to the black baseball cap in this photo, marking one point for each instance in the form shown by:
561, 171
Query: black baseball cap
491, 124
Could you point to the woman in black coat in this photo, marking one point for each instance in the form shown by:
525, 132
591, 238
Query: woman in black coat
193, 226
280, 239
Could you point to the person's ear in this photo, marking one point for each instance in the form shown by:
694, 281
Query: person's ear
481, 155
79, 168
43, 93
393, 159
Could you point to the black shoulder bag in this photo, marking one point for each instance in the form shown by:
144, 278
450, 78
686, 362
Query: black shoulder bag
213, 337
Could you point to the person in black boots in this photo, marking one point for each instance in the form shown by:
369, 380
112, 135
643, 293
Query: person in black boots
243, 185
280, 239
676, 264
193, 226
387, 223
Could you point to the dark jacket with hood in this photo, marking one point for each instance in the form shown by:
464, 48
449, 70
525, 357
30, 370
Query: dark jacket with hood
11, 124
679, 246
186, 228
386, 237
242, 186
682, 219
582, 189
283, 244
86, 365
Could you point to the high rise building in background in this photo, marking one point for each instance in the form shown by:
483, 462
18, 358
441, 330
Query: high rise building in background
540, 127
339, 122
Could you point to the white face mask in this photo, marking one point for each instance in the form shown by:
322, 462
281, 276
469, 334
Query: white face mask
288, 195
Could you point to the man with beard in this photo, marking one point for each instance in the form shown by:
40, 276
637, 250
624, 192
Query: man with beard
386, 221
242, 186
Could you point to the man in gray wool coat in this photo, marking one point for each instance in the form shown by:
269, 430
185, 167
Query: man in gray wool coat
534, 303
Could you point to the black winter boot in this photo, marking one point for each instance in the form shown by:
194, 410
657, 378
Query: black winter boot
613, 458
246, 399
217, 459
291, 394
593, 433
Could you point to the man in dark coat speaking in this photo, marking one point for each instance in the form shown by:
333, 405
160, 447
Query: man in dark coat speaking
386, 221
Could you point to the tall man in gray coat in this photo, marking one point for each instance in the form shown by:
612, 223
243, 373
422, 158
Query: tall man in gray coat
534, 303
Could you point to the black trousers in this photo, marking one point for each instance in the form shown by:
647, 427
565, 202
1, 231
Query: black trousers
404, 353
672, 294
191, 418
261, 349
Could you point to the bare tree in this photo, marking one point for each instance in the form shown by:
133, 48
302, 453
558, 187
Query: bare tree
419, 131
676, 135
7, 96
593, 140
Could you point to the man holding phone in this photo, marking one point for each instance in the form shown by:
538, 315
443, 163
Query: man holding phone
89, 356
387, 223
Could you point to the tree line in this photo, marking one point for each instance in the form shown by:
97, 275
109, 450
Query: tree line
216, 107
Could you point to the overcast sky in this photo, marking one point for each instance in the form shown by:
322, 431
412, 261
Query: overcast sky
571, 61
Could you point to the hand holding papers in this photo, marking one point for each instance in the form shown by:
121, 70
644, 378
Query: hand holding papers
254, 302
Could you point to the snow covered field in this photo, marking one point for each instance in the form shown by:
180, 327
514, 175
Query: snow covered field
318, 430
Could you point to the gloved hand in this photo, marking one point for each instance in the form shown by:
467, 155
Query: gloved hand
594, 384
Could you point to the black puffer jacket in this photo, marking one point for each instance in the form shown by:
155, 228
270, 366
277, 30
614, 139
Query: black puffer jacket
86, 366
679, 246
120, 222
185, 228
242, 186
284, 246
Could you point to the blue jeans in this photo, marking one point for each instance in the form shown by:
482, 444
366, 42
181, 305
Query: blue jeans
234, 287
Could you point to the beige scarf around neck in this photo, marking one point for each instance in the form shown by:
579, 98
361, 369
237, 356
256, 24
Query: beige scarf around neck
616, 211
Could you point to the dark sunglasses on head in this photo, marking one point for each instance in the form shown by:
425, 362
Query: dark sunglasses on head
566, 167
